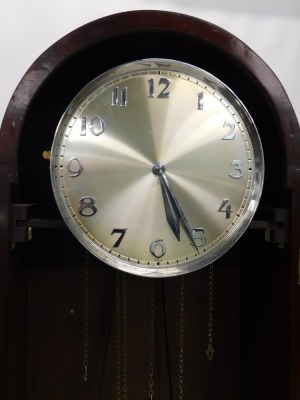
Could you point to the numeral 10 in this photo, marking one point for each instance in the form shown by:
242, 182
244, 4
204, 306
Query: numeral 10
95, 125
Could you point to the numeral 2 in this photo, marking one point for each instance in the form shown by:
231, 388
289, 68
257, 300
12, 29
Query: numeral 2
229, 135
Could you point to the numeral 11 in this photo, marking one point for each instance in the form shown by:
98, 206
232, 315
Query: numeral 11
119, 97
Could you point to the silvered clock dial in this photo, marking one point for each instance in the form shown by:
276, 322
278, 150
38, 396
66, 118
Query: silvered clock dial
157, 167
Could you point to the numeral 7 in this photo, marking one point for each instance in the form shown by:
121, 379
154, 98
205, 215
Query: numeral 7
122, 233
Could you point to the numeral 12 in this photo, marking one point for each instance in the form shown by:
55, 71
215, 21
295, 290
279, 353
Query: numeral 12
164, 93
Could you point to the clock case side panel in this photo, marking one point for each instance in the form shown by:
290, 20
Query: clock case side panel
58, 75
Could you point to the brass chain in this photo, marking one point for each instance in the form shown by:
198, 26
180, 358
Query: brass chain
86, 318
181, 336
118, 337
124, 315
121, 339
210, 349
151, 341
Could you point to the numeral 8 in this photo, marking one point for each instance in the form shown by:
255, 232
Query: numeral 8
87, 206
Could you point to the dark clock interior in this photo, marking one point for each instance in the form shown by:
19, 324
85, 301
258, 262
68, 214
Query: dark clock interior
62, 86
77, 328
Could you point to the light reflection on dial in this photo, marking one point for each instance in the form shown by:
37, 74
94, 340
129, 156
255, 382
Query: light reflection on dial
105, 150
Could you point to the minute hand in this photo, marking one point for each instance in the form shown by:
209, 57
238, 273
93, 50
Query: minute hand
175, 208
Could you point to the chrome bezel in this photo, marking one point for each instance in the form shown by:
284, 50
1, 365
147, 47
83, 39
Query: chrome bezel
252, 202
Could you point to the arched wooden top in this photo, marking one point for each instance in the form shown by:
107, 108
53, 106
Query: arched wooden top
136, 22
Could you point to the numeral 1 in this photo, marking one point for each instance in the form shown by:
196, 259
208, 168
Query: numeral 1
200, 101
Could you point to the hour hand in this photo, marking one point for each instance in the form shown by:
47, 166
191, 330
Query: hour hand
173, 210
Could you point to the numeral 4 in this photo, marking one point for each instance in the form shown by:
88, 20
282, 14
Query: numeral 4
225, 207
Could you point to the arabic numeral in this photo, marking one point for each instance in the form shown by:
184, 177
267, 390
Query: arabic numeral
151, 88
200, 101
238, 170
119, 97
122, 234
225, 207
164, 93
87, 206
74, 167
96, 126
229, 135
199, 237
158, 248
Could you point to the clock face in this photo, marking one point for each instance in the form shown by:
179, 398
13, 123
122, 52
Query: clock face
157, 167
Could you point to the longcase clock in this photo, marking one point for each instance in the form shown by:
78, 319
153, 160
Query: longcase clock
149, 218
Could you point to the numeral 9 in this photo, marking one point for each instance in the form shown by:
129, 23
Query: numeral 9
74, 167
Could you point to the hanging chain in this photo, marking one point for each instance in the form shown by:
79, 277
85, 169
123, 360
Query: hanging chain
151, 341
121, 340
124, 315
86, 318
210, 349
181, 331
118, 336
